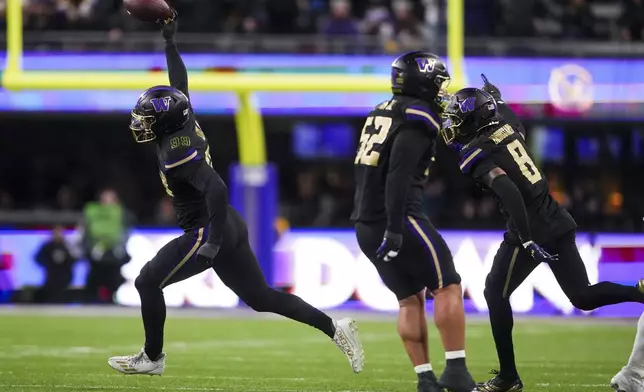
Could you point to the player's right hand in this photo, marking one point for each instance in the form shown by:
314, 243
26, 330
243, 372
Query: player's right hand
538, 253
207, 253
390, 246
169, 26
490, 88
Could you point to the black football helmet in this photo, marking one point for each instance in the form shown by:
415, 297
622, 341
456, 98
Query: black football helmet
160, 110
466, 113
422, 75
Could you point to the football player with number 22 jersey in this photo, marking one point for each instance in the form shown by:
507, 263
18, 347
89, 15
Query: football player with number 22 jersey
215, 236
491, 143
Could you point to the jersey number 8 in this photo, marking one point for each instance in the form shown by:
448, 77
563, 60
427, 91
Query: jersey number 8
381, 127
522, 159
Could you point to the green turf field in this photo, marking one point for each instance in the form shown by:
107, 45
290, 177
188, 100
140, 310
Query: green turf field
50, 352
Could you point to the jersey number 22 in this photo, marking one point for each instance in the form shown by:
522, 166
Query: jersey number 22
381, 126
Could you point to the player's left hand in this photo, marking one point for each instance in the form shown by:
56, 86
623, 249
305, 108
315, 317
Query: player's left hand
390, 246
538, 253
207, 252
169, 26
490, 88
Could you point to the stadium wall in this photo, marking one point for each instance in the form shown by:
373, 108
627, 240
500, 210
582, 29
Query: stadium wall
607, 86
327, 269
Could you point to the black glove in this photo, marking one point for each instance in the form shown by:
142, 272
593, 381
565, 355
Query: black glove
207, 252
169, 26
538, 253
390, 246
490, 88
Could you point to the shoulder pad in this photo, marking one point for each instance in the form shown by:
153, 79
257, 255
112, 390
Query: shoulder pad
417, 110
469, 156
475, 152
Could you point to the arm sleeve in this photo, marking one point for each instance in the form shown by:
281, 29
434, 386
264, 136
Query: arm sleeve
512, 201
407, 150
510, 117
176, 68
206, 180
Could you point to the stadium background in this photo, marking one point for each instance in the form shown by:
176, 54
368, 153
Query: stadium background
570, 68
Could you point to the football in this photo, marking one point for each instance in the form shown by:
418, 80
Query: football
148, 10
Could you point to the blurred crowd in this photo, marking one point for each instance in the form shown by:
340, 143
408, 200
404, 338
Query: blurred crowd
321, 195
387, 20
324, 198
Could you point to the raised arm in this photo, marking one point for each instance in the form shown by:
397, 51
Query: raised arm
506, 111
176, 68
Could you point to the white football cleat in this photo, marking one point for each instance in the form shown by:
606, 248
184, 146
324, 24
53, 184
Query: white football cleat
627, 380
138, 364
347, 339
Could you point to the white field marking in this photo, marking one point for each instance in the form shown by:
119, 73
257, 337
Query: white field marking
19, 351
90, 387
606, 385
111, 375
572, 374
118, 387
159, 388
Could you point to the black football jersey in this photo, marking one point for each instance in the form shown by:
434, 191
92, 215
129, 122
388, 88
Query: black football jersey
505, 148
189, 144
385, 123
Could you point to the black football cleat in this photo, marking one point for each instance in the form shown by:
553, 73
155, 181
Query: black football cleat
457, 379
497, 384
427, 382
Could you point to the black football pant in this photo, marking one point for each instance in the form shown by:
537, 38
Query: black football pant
513, 264
236, 266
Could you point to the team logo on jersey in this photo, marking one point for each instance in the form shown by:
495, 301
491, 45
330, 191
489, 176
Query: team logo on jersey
425, 65
161, 104
467, 105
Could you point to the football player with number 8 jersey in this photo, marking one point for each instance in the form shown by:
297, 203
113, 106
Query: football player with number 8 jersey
395, 152
215, 236
493, 152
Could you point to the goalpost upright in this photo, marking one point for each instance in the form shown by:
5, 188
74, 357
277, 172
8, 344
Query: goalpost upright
252, 191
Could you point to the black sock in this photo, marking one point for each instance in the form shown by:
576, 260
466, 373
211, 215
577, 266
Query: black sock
427, 375
153, 312
502, 323
293, 307
456, 362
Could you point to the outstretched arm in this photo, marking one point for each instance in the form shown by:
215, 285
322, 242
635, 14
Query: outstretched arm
176, 68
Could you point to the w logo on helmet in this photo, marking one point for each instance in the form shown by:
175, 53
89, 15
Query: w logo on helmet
161, 104
467, 105
425, 65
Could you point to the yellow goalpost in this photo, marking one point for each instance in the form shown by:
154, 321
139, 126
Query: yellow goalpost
250, 132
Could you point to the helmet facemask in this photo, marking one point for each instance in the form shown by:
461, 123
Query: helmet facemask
141, 127
450, 128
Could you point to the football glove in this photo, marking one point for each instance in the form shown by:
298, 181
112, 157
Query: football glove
538, 253
390, 246
207, 253
169, 26
491, 89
